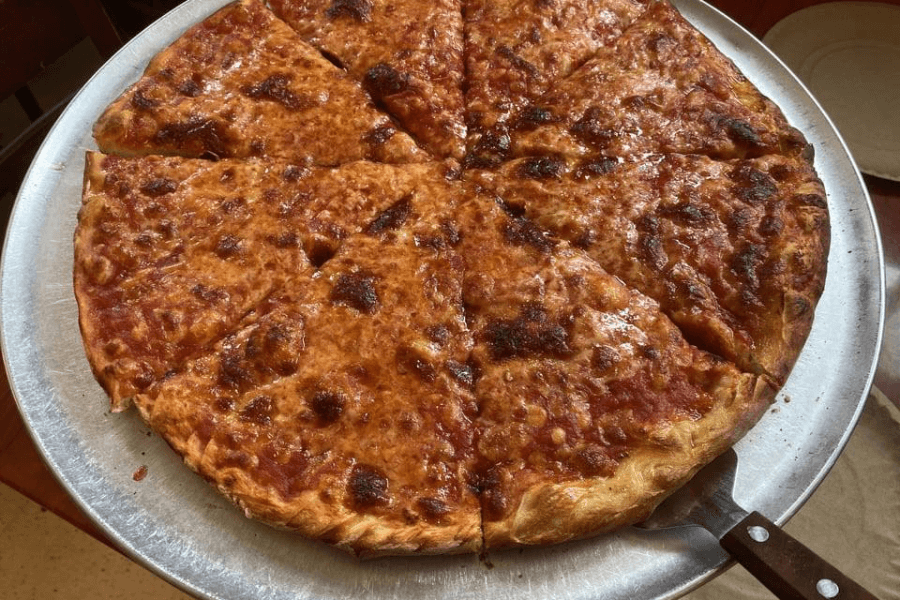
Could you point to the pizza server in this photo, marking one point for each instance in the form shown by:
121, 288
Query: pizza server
786, 567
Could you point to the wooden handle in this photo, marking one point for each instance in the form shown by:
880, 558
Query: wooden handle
785, 566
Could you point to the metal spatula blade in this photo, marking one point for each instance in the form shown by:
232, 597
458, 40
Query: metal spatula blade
785, 566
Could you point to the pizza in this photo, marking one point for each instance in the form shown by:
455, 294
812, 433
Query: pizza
449, 278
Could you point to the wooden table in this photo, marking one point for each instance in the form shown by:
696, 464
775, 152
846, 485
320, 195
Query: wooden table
22, 468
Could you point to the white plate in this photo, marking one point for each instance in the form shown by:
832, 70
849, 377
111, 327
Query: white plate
848, 55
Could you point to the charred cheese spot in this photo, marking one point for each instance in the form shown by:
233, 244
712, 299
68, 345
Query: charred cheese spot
490, 150
595, 168
257, 147
383, 80
392, 217
531, 334
688, 214
145, 378
518, 62
432, 510
781, 173
356, 290
224, 404
604, 358
285, 240
359, 10
513, 208
816, 200
590, 129
276, 346
367, 487
461, 372
158, 187
198, 135
439, 334
145, 239
275, 88
327, 405
542, 167
800, 306
651, 353
142, 102
258, 411
170, 319
534, 116
154, 210
228, 246
746, 263
380, 135
232, 205
650, 245
740, 218
593, 461
771, 226
494, 501
751, 185
741, 132
522, 232
294, 173
190, 88
233, 373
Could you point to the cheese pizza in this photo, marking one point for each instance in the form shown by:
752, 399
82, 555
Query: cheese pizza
447, 278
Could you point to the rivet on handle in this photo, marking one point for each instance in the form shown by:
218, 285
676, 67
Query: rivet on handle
827, 588
759, 534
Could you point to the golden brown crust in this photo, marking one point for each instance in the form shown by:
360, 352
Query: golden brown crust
554, 512
420, 358
242, 83
406, 53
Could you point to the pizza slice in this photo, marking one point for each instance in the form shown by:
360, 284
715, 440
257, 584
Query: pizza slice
734, 251
592, 406
515, 51
407, 54
341, 412
242, 83
662, 87
172, 252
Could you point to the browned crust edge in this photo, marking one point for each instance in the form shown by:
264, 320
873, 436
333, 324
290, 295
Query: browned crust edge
363, 535
557, 512
93, 179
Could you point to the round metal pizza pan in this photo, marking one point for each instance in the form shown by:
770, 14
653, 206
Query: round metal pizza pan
176, 525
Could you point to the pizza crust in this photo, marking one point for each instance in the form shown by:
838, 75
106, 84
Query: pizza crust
556, 512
